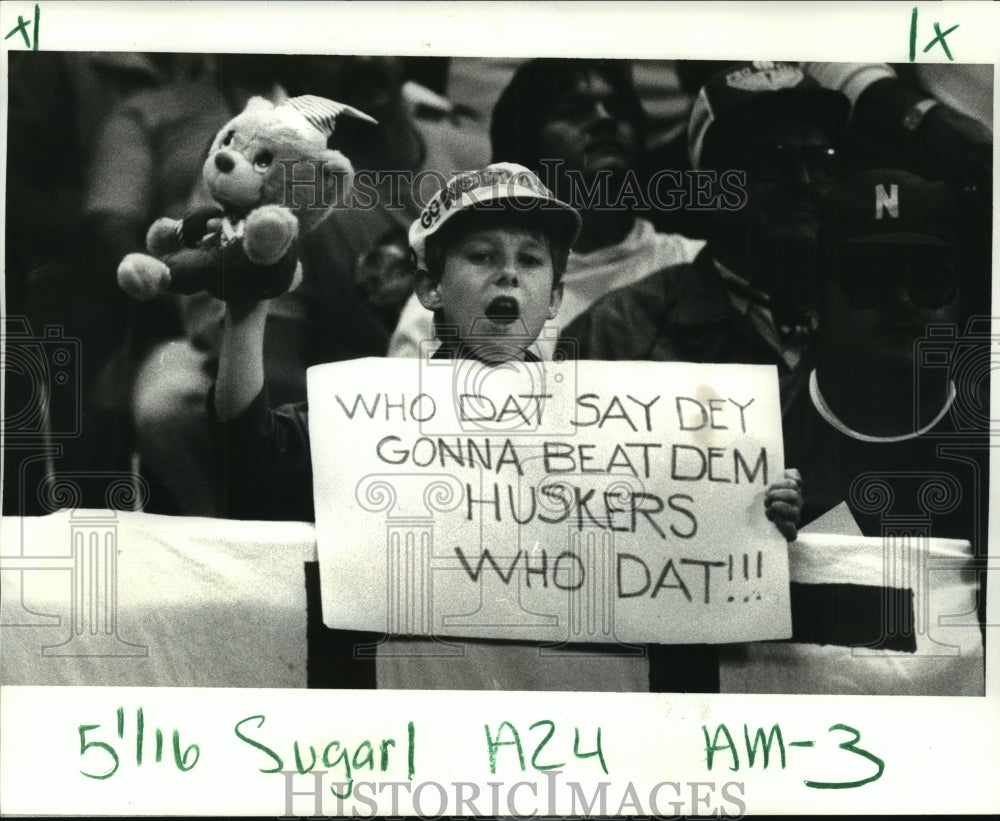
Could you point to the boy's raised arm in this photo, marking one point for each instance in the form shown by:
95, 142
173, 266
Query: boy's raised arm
241, 358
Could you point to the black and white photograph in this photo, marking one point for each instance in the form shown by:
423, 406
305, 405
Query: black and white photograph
576, 397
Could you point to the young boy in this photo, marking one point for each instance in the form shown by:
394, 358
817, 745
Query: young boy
489, 250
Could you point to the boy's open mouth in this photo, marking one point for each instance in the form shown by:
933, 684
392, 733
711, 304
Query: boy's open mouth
503, 310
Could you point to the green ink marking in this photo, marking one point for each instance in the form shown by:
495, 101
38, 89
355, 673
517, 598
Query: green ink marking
298, 759
182, 760
598, 752
411, 750
851, 748
279, 765
21, 23
139, 728
493, 745
22, 26
538, 749
384, 747
940, 38
86, 745
765, 743
713, 746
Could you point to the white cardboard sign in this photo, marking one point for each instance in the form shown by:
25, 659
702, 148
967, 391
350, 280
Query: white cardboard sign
556, 501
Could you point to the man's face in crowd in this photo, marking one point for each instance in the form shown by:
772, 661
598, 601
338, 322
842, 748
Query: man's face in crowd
790, 165
880, 299
589, 129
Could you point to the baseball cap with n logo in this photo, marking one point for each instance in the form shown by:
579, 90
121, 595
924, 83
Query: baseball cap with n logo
888, 206
887, 202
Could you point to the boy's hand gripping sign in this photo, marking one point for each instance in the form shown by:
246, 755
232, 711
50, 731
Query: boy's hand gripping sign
555, 501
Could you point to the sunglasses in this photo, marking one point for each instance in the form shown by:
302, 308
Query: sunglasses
770, 161
865, 287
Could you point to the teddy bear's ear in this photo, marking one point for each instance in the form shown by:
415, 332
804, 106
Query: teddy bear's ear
258, 104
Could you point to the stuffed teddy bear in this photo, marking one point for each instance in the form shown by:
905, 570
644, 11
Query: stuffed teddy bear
271, 173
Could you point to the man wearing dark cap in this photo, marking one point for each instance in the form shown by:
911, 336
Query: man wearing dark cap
748, 297
891, 290
890, 444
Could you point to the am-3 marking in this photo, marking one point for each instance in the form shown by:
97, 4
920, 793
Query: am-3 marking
764, 743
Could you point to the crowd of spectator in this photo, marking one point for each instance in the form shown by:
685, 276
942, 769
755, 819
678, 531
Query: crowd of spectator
824, 218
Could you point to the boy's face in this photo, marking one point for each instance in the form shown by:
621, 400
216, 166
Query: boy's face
496, 287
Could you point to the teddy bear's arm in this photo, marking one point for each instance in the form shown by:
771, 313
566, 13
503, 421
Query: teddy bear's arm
167, 236
194, 227
250, 281
227, 274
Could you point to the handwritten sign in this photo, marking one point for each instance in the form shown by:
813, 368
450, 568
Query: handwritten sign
590, 501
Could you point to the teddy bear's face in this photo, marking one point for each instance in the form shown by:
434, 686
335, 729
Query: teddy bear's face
235, 170
245, 152
268, 155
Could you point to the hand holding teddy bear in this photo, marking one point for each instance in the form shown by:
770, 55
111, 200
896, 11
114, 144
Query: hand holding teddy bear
271, 173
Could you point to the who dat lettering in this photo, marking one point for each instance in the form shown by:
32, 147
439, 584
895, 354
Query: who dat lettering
592, 410
525, 408
529, 408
